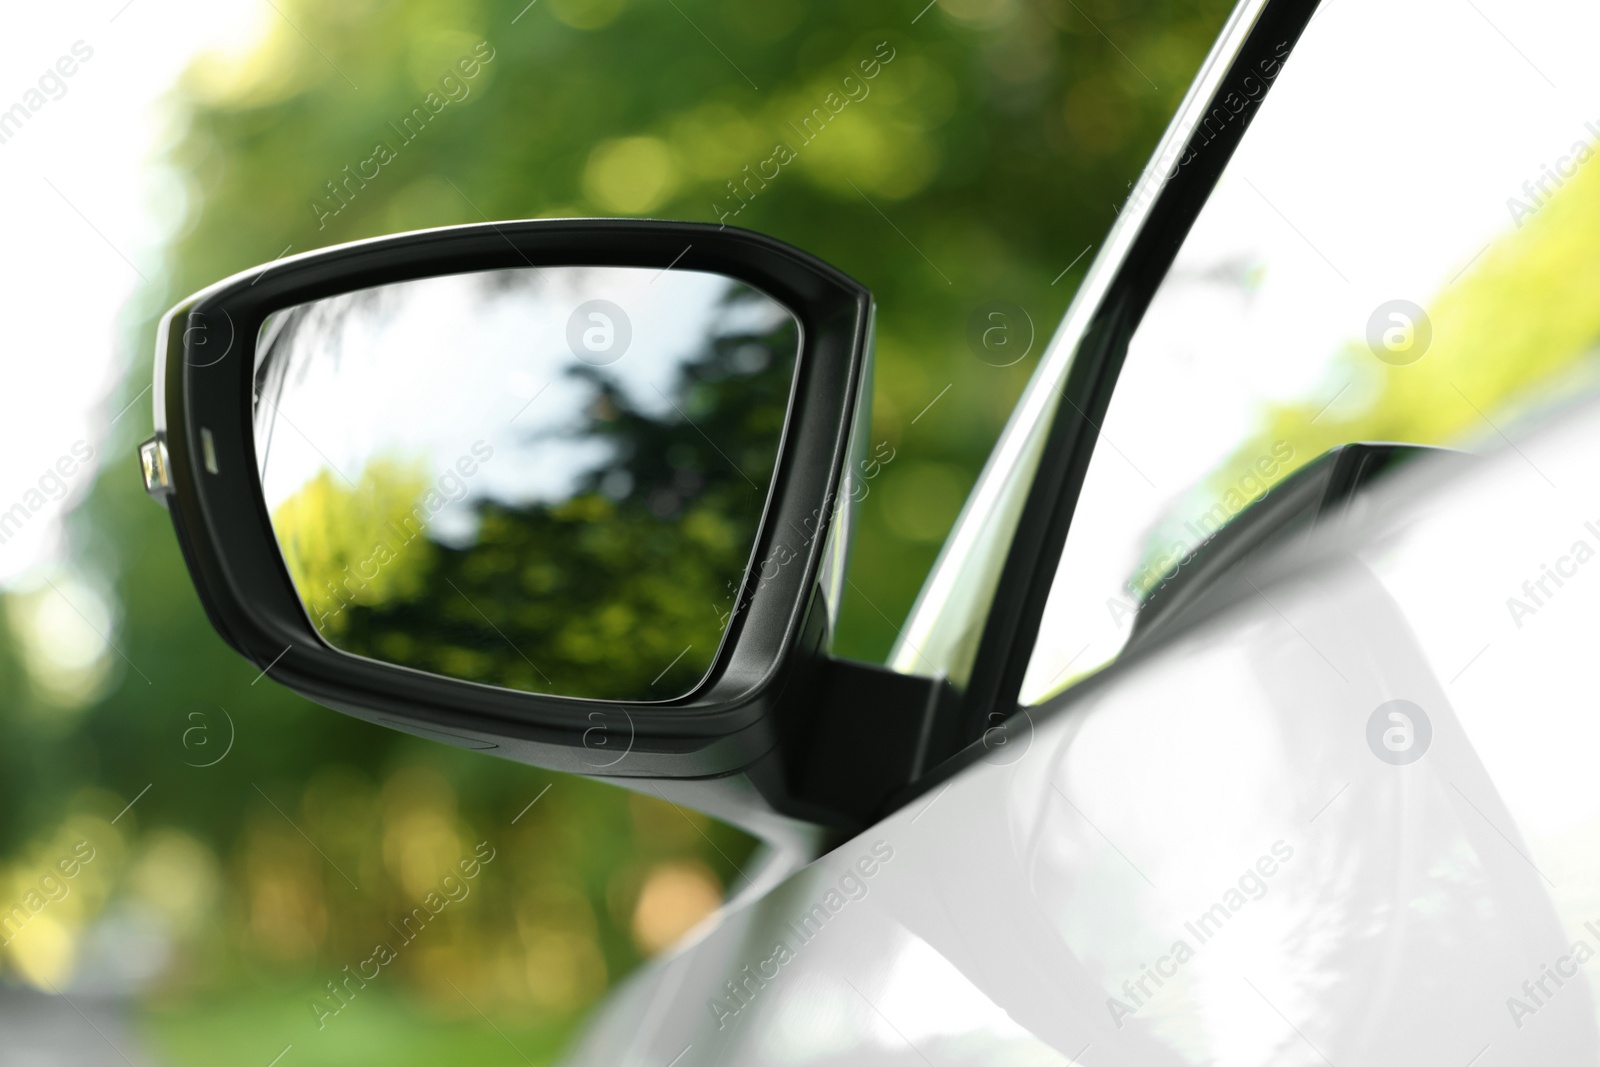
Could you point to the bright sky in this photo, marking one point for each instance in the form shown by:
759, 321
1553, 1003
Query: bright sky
89, 208
498, 365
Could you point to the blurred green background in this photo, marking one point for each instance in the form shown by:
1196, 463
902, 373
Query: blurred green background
992, 146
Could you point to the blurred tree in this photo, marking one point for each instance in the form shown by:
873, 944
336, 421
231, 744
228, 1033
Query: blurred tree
990, 146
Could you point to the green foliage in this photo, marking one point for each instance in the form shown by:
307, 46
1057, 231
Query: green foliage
325, 531
986, 154
387, 1034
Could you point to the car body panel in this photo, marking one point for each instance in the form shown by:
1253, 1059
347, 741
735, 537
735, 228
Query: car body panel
1200, 856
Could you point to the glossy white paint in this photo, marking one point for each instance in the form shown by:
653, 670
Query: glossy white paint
1198, 857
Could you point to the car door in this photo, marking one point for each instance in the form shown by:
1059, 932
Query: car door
1348, 819
1217, 850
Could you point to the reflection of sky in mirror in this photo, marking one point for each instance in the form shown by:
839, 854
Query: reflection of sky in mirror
422, 370
1378, 167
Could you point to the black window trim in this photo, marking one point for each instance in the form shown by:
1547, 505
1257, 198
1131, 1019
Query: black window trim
1011, 628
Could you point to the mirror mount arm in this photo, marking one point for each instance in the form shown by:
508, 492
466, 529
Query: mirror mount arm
867, 736
859, 738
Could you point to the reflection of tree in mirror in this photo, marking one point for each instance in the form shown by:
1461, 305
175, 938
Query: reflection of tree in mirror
613, 592
357, 545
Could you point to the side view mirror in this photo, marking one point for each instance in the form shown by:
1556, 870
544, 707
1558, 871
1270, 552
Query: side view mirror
575, 491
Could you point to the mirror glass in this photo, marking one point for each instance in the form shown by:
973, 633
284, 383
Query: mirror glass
544, 479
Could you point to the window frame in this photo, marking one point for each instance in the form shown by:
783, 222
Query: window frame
1081, 367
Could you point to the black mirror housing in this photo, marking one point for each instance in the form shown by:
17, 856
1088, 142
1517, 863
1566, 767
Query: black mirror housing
201, 464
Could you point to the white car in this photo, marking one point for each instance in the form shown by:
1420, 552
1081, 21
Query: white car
1248, 716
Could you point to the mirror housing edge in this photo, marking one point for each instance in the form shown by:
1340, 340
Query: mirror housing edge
761, 693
